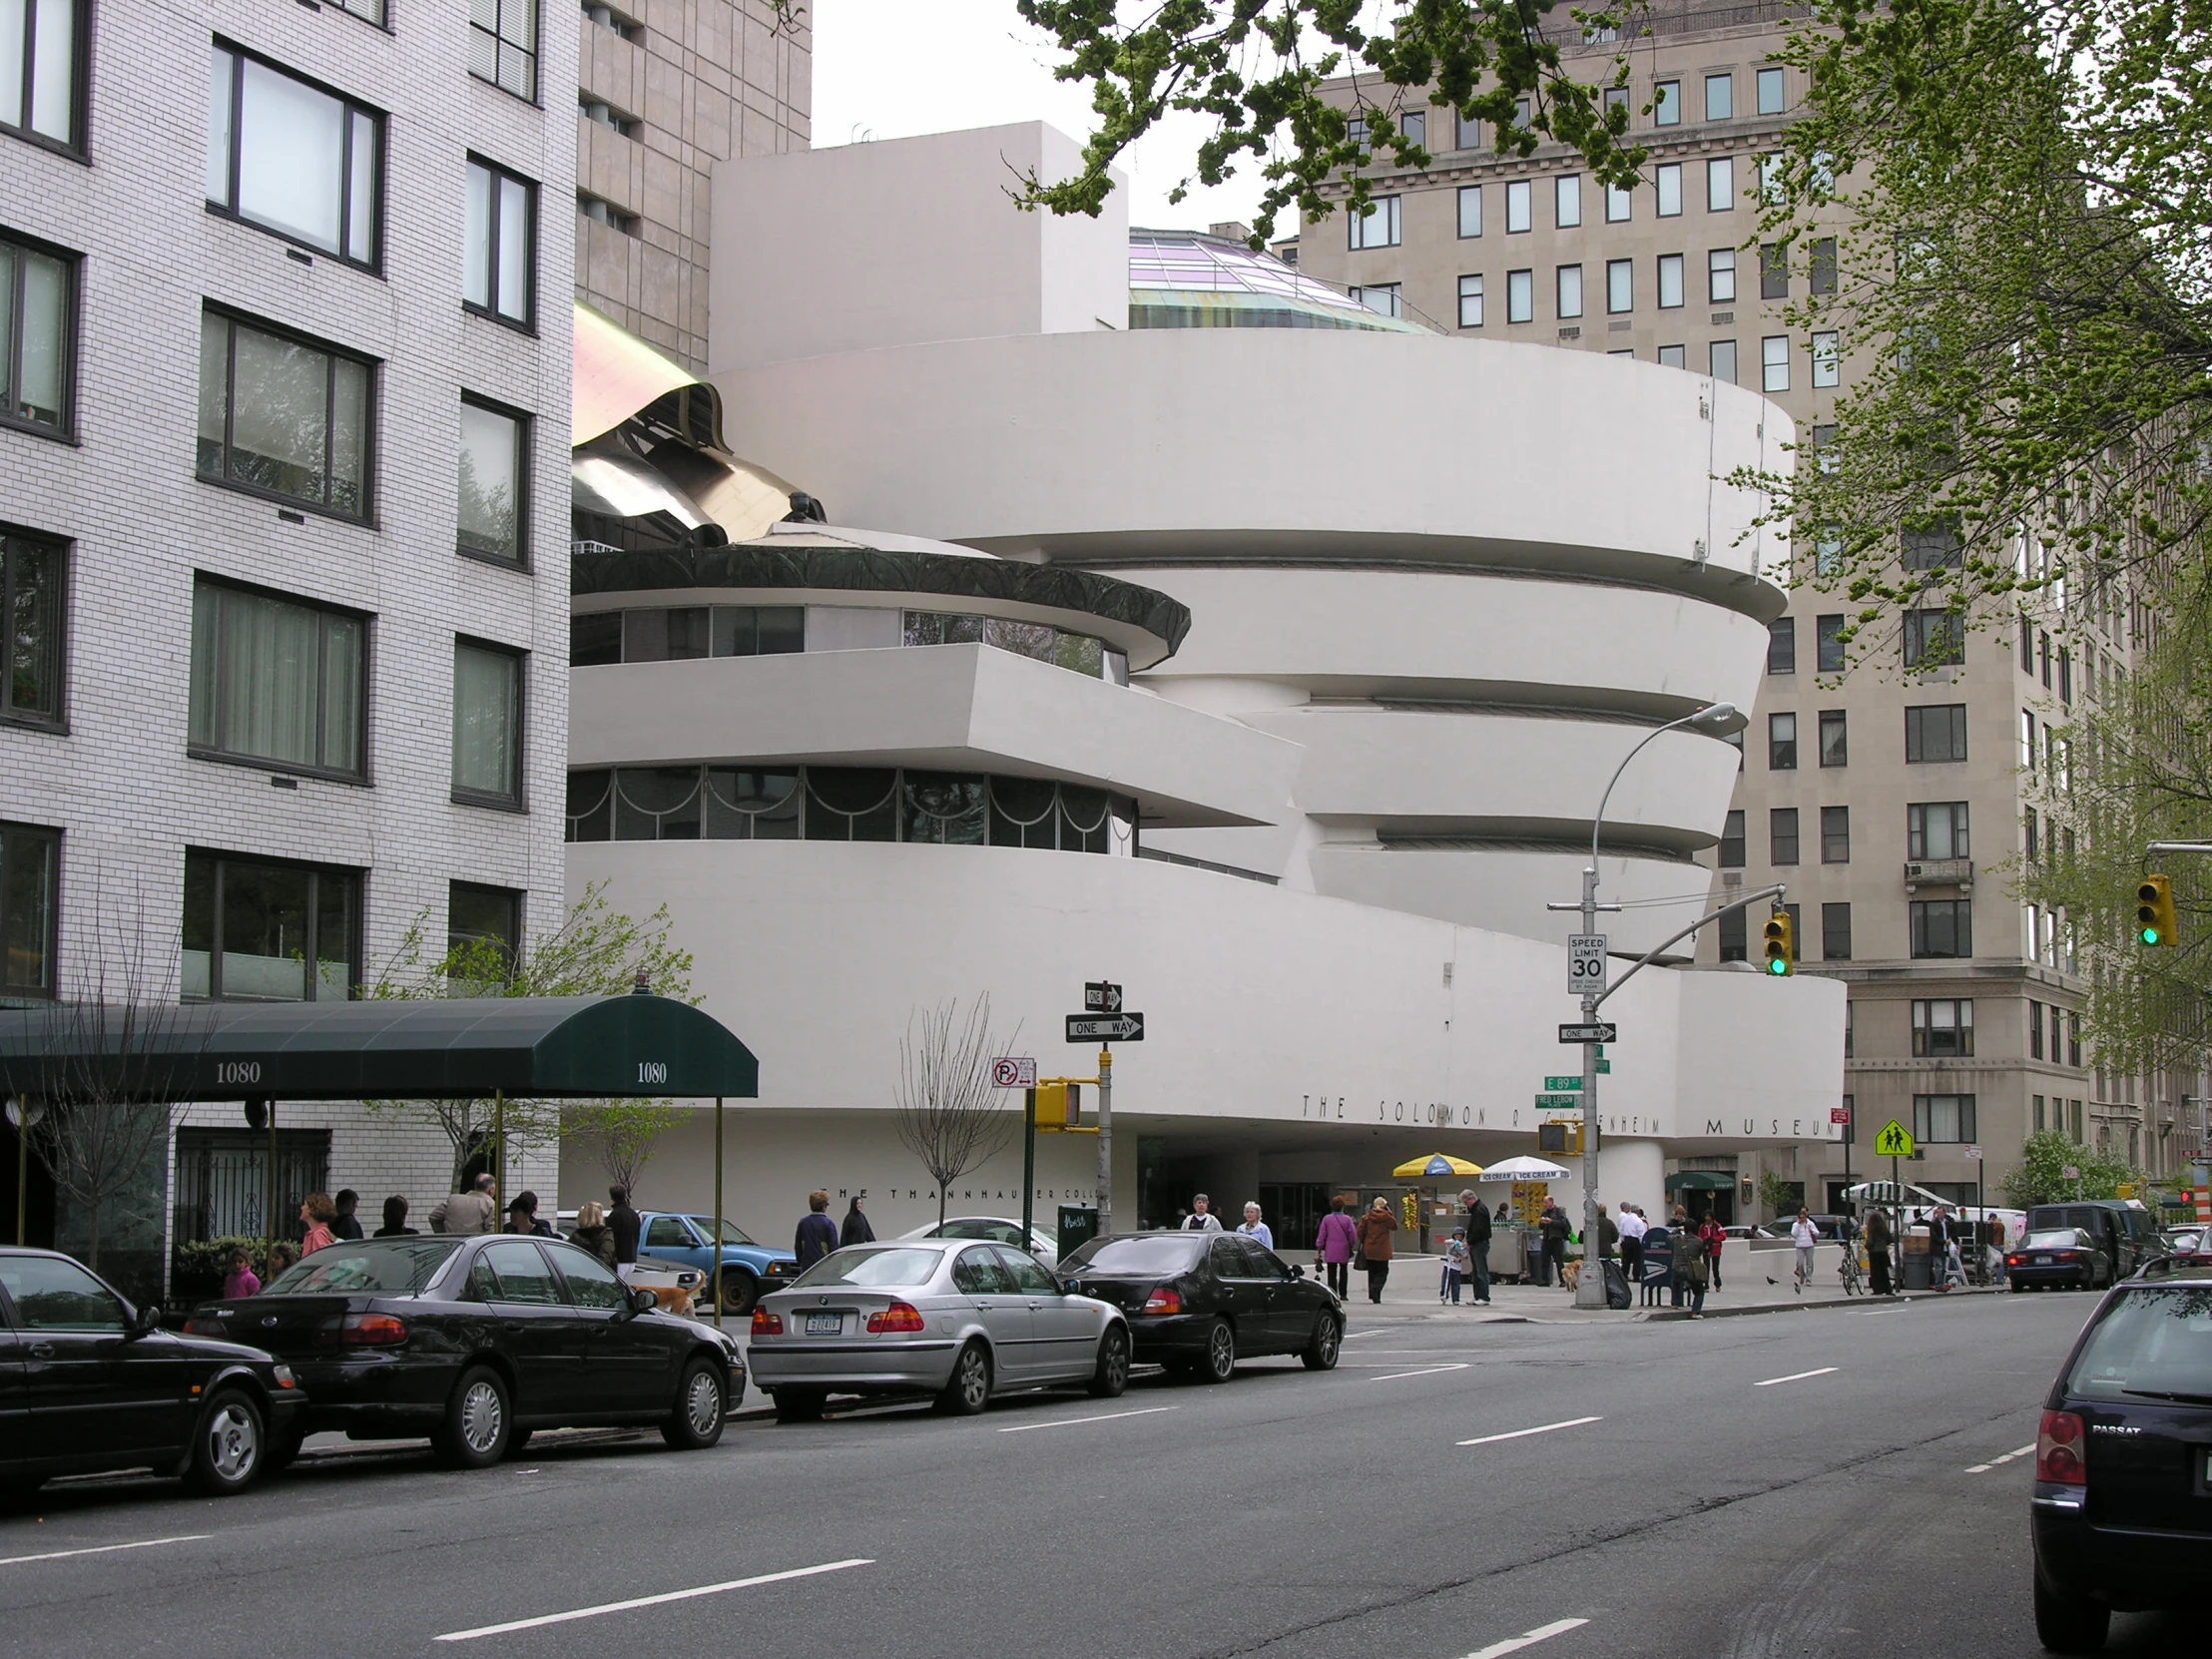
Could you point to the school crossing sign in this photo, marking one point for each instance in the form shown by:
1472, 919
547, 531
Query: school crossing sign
1893, 1141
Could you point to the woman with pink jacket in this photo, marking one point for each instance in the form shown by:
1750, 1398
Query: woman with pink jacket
1333, 1242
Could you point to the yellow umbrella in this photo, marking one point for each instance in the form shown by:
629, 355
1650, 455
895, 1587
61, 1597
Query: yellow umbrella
1437, 1163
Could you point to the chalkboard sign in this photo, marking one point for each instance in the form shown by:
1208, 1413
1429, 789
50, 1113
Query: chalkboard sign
1658, 1256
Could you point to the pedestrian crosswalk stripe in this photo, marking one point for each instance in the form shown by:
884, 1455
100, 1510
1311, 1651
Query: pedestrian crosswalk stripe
1529, 1638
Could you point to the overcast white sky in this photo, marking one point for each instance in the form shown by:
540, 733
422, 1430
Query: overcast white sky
896, 68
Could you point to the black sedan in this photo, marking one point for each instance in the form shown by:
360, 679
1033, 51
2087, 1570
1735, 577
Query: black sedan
2122, 1508
87, 1384
2064, 1257
1198, 1302
476, 1341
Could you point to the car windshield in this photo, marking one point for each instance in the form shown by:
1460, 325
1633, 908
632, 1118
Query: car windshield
2156, 1342
2064, 1238
381, 1266
1147, 1256
890, 1266
732, 1232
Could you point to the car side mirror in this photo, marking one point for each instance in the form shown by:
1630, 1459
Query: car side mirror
1297, 1272
643, 1302
145, 1322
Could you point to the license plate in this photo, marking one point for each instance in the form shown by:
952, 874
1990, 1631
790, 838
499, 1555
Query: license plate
2042, 1260
824, 1324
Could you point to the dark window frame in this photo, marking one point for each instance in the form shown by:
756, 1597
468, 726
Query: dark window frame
1782, 645
1839, 722
1732, 840
232, 321
518, 801
1927, 632
1836, 931
511, 941
1915, 732
1734, 938
527, 324
59, 549
1777, 818
72, 262
1781, 752
310, 948
525, 452
1923, 1119
380, 121
1827, 646
1921, 914
1925, 1028
1832, 838
274, 763
16, 833
80, 65
535, 52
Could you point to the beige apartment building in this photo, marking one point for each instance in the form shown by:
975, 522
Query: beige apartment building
1897, 806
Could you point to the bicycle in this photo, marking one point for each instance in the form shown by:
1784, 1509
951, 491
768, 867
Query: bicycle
1851, 1274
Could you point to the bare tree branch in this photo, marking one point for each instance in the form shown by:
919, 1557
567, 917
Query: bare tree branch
948, 1113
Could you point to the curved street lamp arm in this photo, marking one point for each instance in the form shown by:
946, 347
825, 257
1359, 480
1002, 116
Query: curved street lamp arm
1643, 961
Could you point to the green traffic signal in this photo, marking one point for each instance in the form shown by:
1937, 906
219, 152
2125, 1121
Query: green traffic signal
2154, 911
1781, 944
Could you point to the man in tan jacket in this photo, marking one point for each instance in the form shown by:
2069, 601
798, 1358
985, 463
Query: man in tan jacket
474, 1211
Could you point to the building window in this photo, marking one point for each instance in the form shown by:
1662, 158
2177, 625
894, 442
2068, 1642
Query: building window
1942, 928
1566, 200
1520, 296
1620, 286
503, 45
1412, 126
1517, 214
1937, 830
38, 63
1673, 356
1618, 204
30, 908
1466, 133
38, 288
498, 277
1382, 299
1934, 639
33, 605
1378, 225
1782, 645
1720, 185
256, 930
1769, 91
2034, 1029
483, 930
277, 681
1666, 104
1774, 270
1470, 210
1827, 644
1782, 836
1781, 743
2073, 1039
2066, 675
2035, 1103
2032, 843
283, 416
1936, 732
1770, 179
1668, 177
600, 210
1735, 741
1834, 835
1822, 269
1568, 291
1670, 281
1470, 302
1835, 738
487, 725
2074, 1108
1721, 354
286, 156
1828, 360
1774, 363
1942, 1118
1720, 276
1720, 97
1733, 940
1731, 841
1836, 933
494, 463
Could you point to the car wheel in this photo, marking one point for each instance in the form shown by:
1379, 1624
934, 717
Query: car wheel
2067, 1623
799, 1405
1221, 1353
695, 1423
1112, 1375
740, 1290
228, 1449
1327, 1341
479, 1420
968, 1389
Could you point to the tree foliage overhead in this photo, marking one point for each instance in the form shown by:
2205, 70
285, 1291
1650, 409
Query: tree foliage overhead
2040, 1176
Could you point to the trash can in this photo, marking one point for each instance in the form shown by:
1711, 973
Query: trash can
1078, 1227
1532, 1269
1916, 1274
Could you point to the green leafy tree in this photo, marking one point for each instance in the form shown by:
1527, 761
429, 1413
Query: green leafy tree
1776, 1193
2040, 1176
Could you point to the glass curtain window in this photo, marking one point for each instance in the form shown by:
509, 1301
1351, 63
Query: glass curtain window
275, 680
1720, 276
1668, 177
487, 720
1720, 97
256, 931
493, 469
1470, 302
1518, 216
1720, 185
36, 353
281, 416
1569, 291
1378, 226
30, 897
1722, 355
1470, 210
1520, 296
1620, 286
1566, 200
503, 44
1670, 281
31, 619
38, 67
498, 243
293, 158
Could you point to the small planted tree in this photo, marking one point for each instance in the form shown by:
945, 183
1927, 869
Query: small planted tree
948, 1114
2040, 1177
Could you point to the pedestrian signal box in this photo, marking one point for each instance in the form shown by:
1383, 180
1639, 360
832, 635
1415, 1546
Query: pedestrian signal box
1564, 1139
1059, 1104
2154, 911
1780, 946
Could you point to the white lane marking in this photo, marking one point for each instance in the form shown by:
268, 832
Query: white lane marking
1425, 1371
1070, 1422
1355, 1335
105, 1549
544, 1619
1518, 1433
1542, 1633
1995, 1462
1796, 1377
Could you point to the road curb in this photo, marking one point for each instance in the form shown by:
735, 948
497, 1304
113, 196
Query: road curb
1667, 1315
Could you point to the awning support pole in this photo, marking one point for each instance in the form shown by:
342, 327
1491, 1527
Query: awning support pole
499, 1155
718, 1212
269, 1107
22, 1163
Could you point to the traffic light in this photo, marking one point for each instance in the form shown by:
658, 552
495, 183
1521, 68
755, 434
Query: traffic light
1780, 946
1563, 1136
1059, 1104
2154, 911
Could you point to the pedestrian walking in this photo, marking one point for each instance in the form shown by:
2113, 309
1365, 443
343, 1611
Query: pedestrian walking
1257, 1228
625, 1224
241, 1281
472, 1210
1554, 1228
1376, 1227
1478, 1245
346, 1225
856, 1229
1992, 1253
593, 1233
1938, 1249
1333, 1242
1678, 1283
1608, 1235
1202, 1217
1805, 1236
1633, 1228
818, 1233
315, 1214
1714, 1235
1696, 1269
1878, 1250
522, 1216
1455, 1266
395, 1220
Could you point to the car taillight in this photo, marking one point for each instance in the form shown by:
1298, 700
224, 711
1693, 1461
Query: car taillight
2012, 1261
2058, 1450
1165, 1300
898, 1316
361, 1330
766, 1324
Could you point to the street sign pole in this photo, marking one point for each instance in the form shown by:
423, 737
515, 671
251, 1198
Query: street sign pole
1028, 1160
1590, 1289
1105, 1140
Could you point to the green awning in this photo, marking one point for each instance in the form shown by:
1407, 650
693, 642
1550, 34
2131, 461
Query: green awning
1701, 1181
465, 1048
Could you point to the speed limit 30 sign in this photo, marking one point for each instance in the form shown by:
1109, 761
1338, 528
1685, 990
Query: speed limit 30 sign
1585, 965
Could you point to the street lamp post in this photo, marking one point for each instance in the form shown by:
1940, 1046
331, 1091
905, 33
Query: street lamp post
1589, 1291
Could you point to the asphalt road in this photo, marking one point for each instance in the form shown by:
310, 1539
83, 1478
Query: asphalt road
1801, 1484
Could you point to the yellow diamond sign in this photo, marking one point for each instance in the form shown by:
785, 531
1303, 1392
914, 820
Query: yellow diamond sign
1893, 1141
